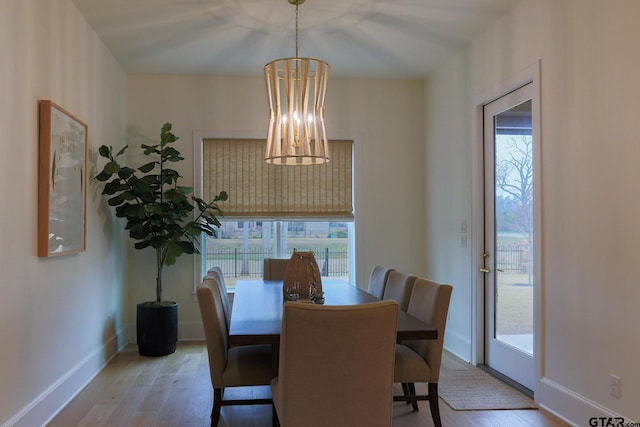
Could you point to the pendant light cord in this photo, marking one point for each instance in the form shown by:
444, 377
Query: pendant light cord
296, 30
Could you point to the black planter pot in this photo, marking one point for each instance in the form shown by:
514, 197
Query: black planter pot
157, 327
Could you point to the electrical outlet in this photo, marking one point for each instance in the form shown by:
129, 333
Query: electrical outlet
615, 386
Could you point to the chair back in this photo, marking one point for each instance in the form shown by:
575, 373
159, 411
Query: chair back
398, 288
336, 365
215, 327
430, 303
274, 268
216, 273
378, 280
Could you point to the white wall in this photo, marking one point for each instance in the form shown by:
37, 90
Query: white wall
384, 116
59, 317
590, 97
448, 195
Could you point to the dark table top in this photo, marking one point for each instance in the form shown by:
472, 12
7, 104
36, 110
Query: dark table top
256, 317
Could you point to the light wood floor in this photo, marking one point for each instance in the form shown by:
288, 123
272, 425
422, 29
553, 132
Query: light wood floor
175, 390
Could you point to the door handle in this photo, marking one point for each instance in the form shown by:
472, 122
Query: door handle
485, 269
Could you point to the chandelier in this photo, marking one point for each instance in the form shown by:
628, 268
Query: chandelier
296, 90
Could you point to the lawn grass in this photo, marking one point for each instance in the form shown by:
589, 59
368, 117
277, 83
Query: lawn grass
515, 304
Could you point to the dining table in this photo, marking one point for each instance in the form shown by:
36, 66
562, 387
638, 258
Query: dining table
256, 317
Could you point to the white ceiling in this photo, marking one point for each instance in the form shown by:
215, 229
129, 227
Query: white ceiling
358, 38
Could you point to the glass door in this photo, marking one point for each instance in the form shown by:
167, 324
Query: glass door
508, 246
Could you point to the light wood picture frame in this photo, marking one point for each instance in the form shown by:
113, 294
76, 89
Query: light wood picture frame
62, 182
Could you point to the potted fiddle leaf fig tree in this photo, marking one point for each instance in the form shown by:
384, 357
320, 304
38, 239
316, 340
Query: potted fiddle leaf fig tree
159, 215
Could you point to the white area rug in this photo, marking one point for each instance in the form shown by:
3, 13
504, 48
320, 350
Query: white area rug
472, 389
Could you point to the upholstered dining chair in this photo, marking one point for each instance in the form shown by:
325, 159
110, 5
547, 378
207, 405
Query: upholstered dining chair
247, 365
216, 273
378, 280
274, 268
398, 288
420, 360
336, 365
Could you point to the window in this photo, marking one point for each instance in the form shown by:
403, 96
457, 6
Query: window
273, 210
241, 246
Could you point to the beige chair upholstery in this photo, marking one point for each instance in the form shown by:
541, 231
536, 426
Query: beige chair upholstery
420, 360
378, 280
274, 268
247, 365
336, 365
216, 273
398, 288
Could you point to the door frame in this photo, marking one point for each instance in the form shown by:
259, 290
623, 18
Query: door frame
531, 75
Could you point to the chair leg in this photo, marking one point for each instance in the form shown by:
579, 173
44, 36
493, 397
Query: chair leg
405, 389
217, 404
433, 404
274, 417
412, 392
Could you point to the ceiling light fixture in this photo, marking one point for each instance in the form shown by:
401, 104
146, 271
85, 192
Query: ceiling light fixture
296, 88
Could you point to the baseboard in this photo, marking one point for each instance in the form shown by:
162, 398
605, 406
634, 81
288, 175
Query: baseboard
573, 408
44, 407
190, 331
458, 345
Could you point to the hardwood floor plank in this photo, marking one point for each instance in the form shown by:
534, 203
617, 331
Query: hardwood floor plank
172, 411
128, 406
200, 400
175, 391
97, 416
143, 419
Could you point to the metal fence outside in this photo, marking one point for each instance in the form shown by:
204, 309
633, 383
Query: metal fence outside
334, 262
512, 258
236, 262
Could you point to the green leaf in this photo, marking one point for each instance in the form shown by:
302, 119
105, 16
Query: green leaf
169, 137
154, 208
125, 173
173, 252
140, 187
201, 204
149, 149
172, 195
170, 176
148, 167
185, 190
121, 150
213, 220
141, 245
221, 197
119, 199
103, 176
112, 167
152, 180
170, 154
104, 151
187, 247
132, 211
166, 136
113, 187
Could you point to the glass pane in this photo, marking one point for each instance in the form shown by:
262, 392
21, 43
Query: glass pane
241, 246
514, 227
328, 240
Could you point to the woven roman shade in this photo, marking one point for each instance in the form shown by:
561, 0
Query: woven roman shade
260, 190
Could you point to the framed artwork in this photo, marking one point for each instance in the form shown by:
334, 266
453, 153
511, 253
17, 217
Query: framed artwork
62, 182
